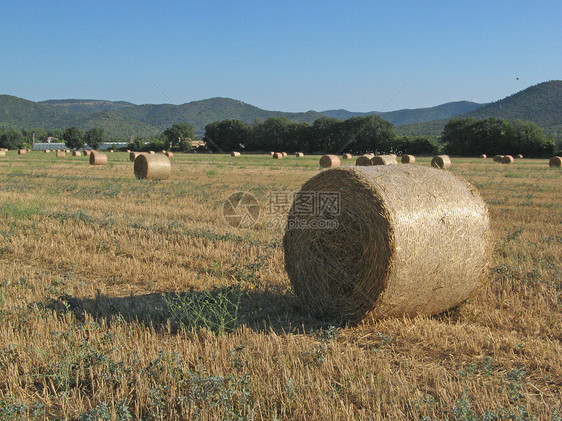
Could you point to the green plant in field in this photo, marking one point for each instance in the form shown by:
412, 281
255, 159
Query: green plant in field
20, 210
215, 310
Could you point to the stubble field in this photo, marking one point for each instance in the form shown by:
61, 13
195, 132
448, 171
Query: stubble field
127, 299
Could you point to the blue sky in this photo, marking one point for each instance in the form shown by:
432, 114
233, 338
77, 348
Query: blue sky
279, 55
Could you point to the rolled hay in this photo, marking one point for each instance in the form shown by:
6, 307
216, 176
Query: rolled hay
383, 160
235, 154
519, 156
271, 153
151, 152
133, 155
555, 161
67, 151
347, 156
2, 153
60, 154
152, 167
364, 160
393, 155
507, 159
22, 152
47, 151
87, 152
328, 161
483, 156
441, 161
299, 154
76, 153
284, 154
278, 155
374, 254
497, 158
169, 154
97, 158
408, 159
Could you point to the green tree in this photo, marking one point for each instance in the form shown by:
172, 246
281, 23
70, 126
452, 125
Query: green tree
178, 136
95, 137
73, 138
12, 139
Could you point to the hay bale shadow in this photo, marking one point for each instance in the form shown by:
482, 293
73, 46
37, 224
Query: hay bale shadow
263, 311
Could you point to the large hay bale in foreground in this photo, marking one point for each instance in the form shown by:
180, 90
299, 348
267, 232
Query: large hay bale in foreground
401, 240
555, 161
383, 160
364, 160
60, 154
328, 161
152, 167
22, 152
347, 156
97, 158
441, 161
408, 159
507, 159
278, 155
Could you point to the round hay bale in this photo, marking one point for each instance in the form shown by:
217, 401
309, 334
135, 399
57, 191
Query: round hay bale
483, 156
497, 158
47, 151
278, 155
22, 152
152, 167
284, 154
151, 152
271, 153
441, 161
364, 160
87, 152
408, 159
378, 255
169, 154
111, 151
519, 156
163, 151
299, 154
383, 160
235, 154
392, 155
347, 156
555, 161
67, 151
60, 154
507, 159
2, 153
328, 161
97, 158
76, 153
128, 150
133, 155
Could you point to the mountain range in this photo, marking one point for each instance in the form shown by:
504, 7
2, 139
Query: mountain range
120, 119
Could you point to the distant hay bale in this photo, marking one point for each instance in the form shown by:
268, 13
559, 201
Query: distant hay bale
60, 154
367, 256
507, 159
152, 167
87, 152
97, 158
497, 158
284, 154
2, 153
169, 154
364, 160
442, 162
347, 156
111, 151
163, 151
271, 153
67, 151
555, 161
299, 154
328, 161
76, 153
47, 151
483, 156
408, 159
133, 155
235, 154
278, 155
383, 160
519, 156
151, 152
128, 150
392, 154
22, 152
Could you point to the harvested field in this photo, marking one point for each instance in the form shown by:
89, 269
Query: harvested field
120, 296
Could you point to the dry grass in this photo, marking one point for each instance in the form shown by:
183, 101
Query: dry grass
91, 326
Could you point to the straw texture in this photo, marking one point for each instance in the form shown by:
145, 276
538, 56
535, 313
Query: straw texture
441, 161
555, 161
389, 257
328, 161
383, 160
97, 158
152, 167
364, 160
408, 159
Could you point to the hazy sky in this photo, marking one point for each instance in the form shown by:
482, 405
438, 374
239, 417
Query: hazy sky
279, 55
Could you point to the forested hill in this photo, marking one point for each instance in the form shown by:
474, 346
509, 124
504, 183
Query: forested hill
87, 105
541, 104
417, 115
